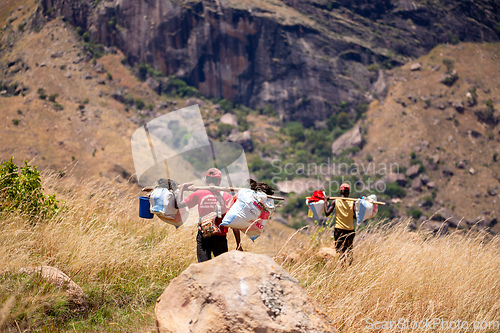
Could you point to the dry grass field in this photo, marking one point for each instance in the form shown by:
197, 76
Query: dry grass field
123, 263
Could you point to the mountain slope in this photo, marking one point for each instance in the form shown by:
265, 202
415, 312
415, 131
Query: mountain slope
450, 130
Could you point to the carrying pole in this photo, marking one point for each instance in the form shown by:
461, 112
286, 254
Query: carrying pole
226, 189
353, 199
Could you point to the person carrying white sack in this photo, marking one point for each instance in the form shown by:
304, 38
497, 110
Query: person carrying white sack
344, 231
250, 209
212, 206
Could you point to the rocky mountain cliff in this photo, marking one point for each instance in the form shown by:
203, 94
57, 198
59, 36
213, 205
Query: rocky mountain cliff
64, 106
302, 57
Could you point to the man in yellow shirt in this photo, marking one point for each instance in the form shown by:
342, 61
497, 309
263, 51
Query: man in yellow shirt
345, 214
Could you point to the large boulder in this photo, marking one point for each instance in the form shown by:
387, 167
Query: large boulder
195, 101
154, 85
238, 292
413, 171
244, 139
229, 119
416, 184
393, 177
74, 293
349, 139
326, 254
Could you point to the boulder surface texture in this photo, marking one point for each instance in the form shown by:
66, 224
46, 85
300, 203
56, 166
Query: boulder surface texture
238, 292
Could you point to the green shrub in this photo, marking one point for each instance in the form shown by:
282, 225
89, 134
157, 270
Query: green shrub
58, 106
331, 122
489, 104
415, 213
295, 131
297, 224
419, 162
428, 201
97, 50
143, 70
242, 119
449, 63
224, 130
41, 93
226, 105
395, 190
361, 109
21, 190
86, 37
129, 100
269, 111
295, 205
373, 67
179, 87
343, 120
52, 97
15, 122
386, 211
139, 104
453, 38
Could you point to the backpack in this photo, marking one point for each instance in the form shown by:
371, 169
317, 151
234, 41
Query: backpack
207, 224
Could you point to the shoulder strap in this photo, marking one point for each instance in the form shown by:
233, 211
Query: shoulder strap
220, 202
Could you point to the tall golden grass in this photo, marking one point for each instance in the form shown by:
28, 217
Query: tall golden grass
406, 277
123, 263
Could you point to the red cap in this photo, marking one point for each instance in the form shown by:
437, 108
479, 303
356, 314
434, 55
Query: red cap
345, 186
214, 172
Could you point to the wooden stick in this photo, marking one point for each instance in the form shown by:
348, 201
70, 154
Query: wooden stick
227, 189
353, 199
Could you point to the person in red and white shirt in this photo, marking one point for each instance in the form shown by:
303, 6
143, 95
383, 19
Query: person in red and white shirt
207, 202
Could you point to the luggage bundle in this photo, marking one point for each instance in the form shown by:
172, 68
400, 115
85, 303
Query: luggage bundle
366, 208
316, 204
250, 210
163, 204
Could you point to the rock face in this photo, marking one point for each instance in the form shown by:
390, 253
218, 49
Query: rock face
238, 292
301, 57
349, 139
73, 291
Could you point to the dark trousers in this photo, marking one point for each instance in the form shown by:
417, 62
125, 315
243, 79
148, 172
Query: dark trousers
206, 246
344, 240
